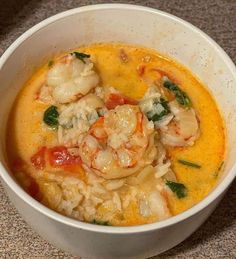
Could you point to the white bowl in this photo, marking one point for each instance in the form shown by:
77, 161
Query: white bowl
129, 24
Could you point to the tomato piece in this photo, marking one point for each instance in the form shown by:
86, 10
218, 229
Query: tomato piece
18, 165
33, 189
59, 156
113, 101
141, 70
118, 99
38, 159
128, 100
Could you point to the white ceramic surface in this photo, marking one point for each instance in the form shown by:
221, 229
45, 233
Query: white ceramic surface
129, 24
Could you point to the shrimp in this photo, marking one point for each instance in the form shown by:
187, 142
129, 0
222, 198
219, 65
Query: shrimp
153, 195
71, 79
119, 144
183, 129
158, 205
178, 126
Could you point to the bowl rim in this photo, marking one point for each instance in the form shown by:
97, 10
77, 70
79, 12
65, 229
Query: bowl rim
213, 195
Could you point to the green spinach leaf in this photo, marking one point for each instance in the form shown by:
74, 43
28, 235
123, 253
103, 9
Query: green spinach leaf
178, 188
187, 163
81, 56
103, 223
50, 117
158, 116
180, 95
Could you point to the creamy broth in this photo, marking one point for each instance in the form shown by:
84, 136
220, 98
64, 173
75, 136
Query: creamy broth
131, 70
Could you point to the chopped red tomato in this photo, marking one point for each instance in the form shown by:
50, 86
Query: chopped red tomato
18, 165
33, 189
38, 159
114, 100
141, 70
60, 156
128, 100
118, 99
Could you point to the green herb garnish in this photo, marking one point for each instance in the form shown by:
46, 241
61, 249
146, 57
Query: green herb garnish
187, 163
81, 56
103, 223
50, 63
158, 116
180, 95
218, 170
50, 117
178, 188
221, 165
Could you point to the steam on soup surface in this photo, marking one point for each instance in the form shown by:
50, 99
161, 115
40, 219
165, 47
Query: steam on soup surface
116, 135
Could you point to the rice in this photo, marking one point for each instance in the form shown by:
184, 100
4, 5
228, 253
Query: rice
126, 201
97, 188
117, 201
162, 169
99, 91
145, 173
144, 208
83, 200
115, 184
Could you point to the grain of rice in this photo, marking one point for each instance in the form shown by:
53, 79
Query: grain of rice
147, 171
134, 192
96, 200
52, 193
90, 210
109, 205
144, 208
117, 201
162, 169
132, 180
60, 134
87, 192
92, 178
99, 91
65, 206
126, 201
114, 184
170, 175
77, 215
97, 188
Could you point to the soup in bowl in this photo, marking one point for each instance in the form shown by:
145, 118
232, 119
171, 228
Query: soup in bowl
113, 134
116, 133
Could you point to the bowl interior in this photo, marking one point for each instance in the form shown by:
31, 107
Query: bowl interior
119, 23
